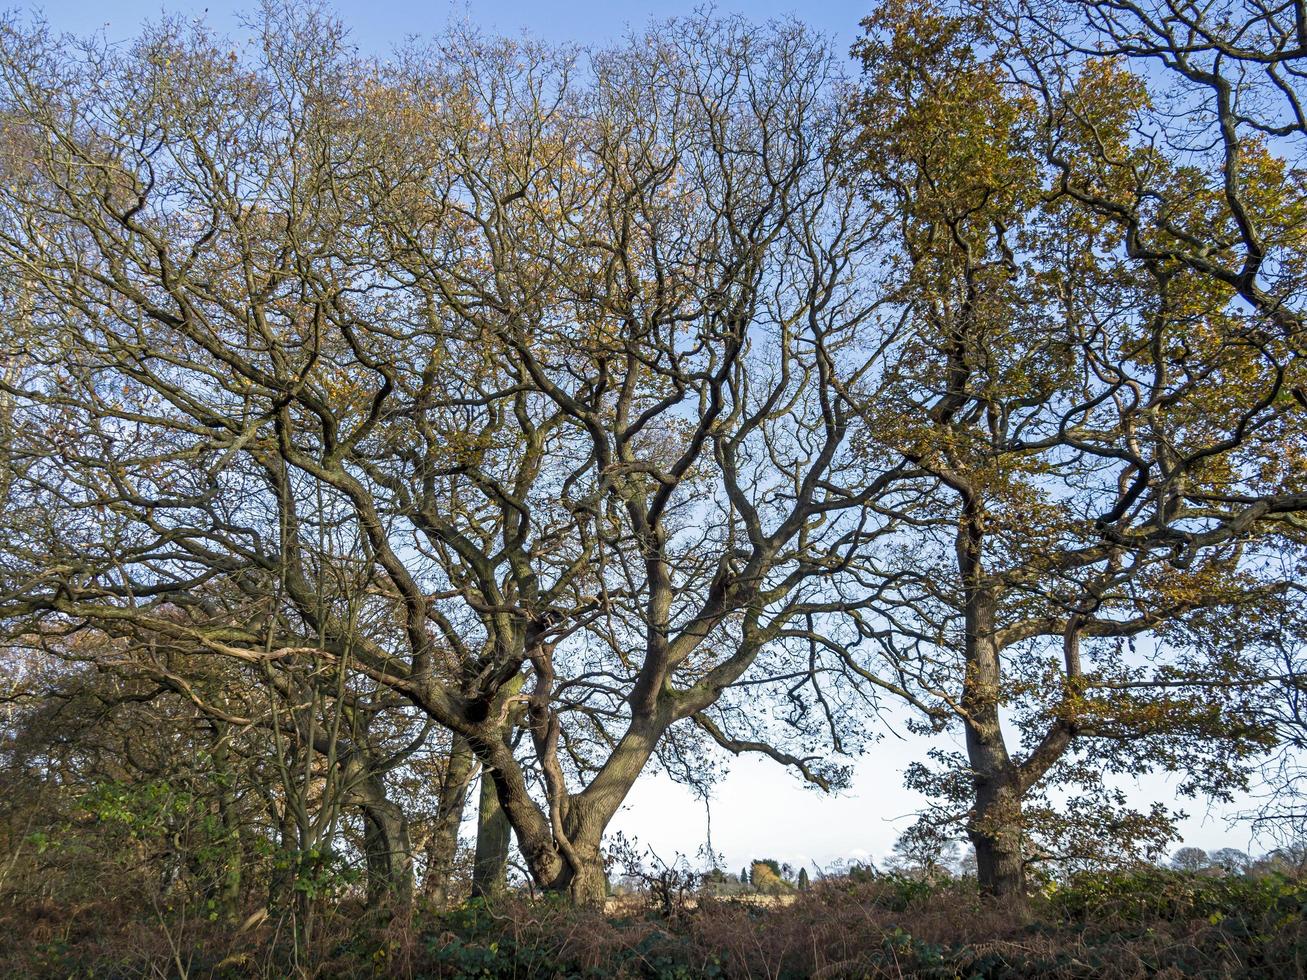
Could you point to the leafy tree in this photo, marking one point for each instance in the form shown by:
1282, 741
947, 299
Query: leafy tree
1190, 859
1232, 213
1091, 417
765, 876
918, 853
513, 414
1231, 860
771, 864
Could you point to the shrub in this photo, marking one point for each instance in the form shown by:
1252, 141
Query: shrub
1146, 922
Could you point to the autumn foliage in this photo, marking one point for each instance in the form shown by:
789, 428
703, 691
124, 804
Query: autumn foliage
392, 446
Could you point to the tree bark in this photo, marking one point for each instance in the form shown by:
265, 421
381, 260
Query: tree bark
442, 849
589, 883
570, 862
387, 849
995, 825
282, 880
490, 871
228, 892
995, 831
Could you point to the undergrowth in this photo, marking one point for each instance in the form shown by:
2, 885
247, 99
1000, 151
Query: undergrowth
1144, 923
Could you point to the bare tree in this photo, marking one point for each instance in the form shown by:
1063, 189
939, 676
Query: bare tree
555, 356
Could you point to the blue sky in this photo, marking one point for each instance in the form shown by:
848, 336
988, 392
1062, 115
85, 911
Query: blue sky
376, 25
759, 810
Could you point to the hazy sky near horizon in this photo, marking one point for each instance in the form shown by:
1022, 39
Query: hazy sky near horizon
759, 810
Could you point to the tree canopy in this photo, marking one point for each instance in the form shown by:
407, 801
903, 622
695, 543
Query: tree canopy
535, 416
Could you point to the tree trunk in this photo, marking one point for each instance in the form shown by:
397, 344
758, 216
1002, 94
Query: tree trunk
530, 824
228, 891
589, 883
570, 865
442, 849
229, 894
995, 825
281, 883
387, 849
490, 872
995, 830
